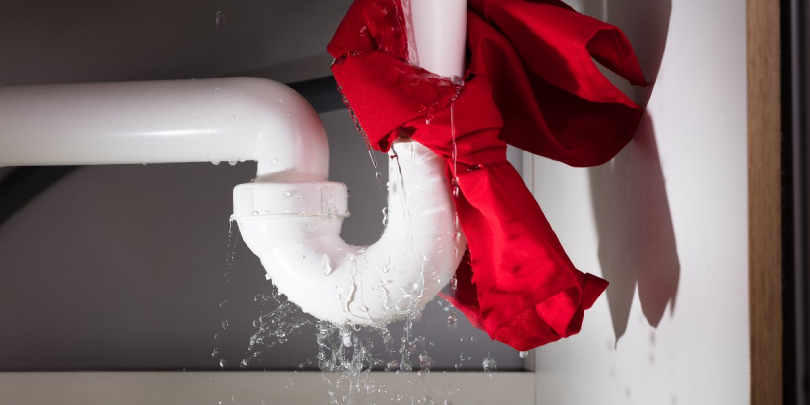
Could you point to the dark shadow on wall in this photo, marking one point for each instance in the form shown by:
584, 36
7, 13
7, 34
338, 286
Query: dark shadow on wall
636, 236
637, 244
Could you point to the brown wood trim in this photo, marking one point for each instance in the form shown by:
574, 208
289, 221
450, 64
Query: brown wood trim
764, 201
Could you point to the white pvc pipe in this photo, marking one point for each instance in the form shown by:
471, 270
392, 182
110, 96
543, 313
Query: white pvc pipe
422, 245
289, 216
440, 31
415, 257
217, 120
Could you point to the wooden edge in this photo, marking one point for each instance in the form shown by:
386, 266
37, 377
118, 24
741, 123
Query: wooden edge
764, 201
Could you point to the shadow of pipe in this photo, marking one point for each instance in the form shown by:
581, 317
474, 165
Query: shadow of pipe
637, 247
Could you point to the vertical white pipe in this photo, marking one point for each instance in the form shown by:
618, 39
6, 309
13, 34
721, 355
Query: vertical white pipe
440, 32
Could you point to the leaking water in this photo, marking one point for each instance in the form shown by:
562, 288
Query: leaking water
362, 132
459, 84
489, 365
348, 354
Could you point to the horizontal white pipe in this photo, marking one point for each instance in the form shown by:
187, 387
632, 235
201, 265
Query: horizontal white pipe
216, 120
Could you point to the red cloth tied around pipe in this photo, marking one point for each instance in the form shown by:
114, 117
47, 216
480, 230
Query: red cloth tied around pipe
531, 83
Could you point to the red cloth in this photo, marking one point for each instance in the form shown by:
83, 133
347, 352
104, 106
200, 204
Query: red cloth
531, 83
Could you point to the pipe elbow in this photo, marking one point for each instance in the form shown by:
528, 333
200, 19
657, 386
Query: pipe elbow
308, 262
290, 140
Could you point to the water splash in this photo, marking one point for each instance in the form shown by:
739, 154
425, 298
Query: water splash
489, 364
452, 320
425, 362
233, 239
347, 354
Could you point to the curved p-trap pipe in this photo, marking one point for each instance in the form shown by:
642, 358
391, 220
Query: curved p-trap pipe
295, 229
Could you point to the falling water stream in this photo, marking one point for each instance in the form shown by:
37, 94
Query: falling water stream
346, 355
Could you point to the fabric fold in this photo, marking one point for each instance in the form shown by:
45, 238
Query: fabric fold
530, 82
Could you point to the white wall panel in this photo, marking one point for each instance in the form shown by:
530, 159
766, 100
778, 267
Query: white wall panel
665, 222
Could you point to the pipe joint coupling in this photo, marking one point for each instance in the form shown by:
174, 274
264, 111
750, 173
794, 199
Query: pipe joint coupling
312, 198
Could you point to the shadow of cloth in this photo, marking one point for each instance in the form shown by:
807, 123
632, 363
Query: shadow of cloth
636, 236
646, 25
637, 244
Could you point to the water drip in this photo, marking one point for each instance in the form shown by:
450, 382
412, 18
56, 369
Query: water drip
489, 365
362, 132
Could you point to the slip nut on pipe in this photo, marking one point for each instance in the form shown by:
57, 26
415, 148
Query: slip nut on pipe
315, 198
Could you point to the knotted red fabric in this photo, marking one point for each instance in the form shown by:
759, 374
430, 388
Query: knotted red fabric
531, 83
